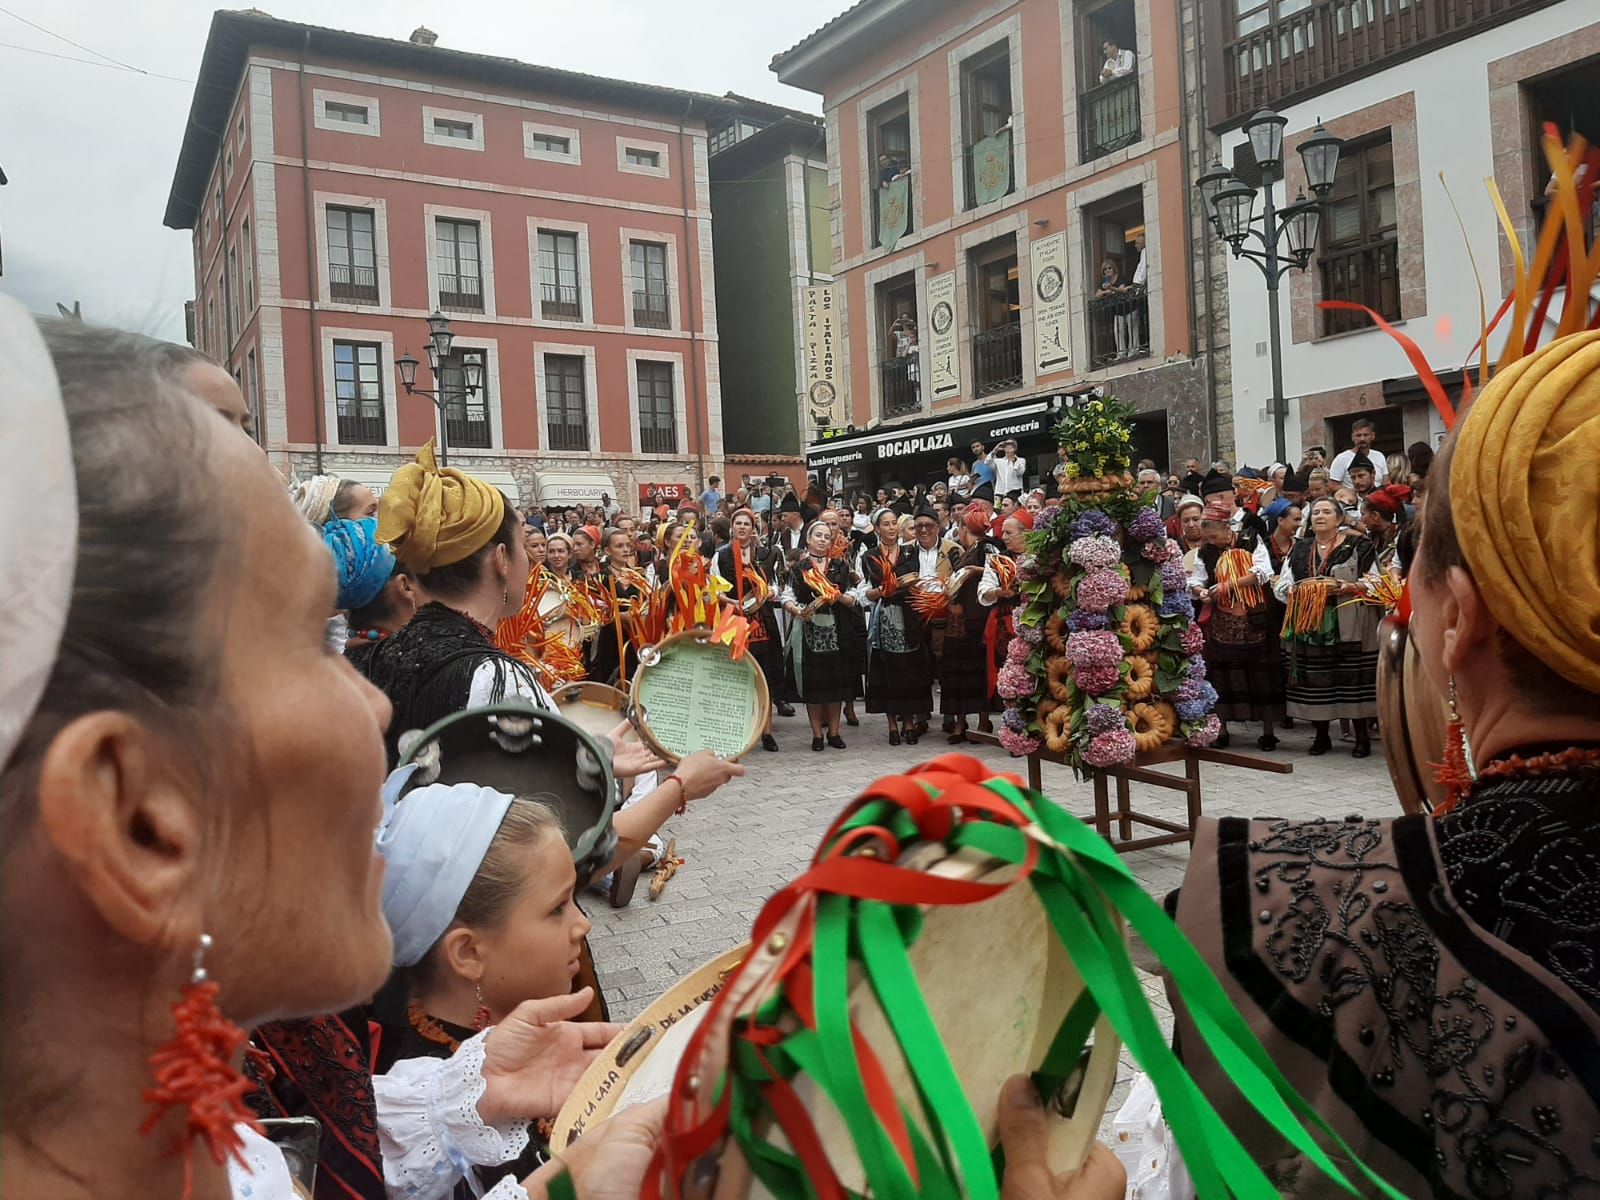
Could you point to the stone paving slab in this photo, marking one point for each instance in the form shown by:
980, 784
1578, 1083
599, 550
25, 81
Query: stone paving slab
759, 832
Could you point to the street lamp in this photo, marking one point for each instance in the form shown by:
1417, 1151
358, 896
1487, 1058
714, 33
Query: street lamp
440, 340
1230, 206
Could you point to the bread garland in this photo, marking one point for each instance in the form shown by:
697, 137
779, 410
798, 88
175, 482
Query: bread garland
1141, 625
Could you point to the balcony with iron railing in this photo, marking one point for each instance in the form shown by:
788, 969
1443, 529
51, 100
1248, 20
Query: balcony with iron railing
467, 425
362, 424
461, 293
560, 302
1323, 42
900, 385
1109, 117
651, 311
1119, 327
1368, 275
568, 435
997, 359
352, 285
659, 438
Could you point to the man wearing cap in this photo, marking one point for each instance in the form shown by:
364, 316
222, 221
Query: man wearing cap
1363, 474
789, 537
1364, 434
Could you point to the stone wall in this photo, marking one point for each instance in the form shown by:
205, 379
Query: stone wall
1179, 390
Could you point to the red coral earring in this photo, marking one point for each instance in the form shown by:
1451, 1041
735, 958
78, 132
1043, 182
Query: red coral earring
1455, 773
196, 1071
480, 1019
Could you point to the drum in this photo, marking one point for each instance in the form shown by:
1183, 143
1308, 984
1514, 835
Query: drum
595, 707
552, 608
1412, 714
690, 694
1030, 986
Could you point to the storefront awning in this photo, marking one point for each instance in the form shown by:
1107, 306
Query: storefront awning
575, 487
946, 434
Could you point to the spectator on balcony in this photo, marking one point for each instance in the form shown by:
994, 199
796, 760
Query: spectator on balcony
889, 170
1010, 472
1118, 63
1111, 288
1135, 314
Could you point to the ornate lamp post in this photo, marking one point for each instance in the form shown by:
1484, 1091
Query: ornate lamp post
1230, 204
440, 339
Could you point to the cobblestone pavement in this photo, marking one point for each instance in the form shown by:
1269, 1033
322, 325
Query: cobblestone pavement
759, 832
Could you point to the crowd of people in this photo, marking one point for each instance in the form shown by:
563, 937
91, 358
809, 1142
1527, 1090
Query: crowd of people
193, 755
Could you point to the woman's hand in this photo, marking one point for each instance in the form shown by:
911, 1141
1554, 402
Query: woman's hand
1025, 1137
701, 773
630, 757
533, 1058
874, 593
609, 1161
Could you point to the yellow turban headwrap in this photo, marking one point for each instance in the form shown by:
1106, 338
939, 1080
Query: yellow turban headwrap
432, 518
1525, 497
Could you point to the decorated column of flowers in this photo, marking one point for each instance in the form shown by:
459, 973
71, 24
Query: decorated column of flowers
1107, 659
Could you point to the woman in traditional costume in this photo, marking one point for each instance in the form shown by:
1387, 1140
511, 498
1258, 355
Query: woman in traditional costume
1333, 646
821, 671
752, 570
1432, 983
964, 667
998, 590
853, 619
1383, 516
1241, 651
899, 666
189, 772
558, 554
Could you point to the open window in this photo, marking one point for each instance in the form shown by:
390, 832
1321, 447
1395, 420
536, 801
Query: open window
889, 142
1108, 77
900, 359
997, 317
986, 123
1569, 100
1119, 303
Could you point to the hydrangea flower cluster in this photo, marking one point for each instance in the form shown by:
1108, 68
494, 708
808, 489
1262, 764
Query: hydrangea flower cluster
1015, 720
1013, 682
1197, 708
1146, 526
1208, 732
1018, 744
1093, 523
1098, 680
1103, 718
1099, 590
1177, 604
1081, 618
1101, 649
1192, 640
1032, 635
1017, 653
1110, 749
1095, 553
1047, 516
1161, 550
1173, 577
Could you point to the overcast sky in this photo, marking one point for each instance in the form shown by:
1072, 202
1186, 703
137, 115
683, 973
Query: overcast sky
90, 150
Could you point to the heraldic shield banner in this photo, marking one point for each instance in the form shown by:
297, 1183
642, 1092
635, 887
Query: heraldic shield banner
894, 211
991, 167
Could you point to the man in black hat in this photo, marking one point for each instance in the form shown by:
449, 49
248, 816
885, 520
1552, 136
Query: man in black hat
1363, 474
789, 536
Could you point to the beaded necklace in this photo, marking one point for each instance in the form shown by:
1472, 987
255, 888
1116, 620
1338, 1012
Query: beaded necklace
429, 1027
1572, 761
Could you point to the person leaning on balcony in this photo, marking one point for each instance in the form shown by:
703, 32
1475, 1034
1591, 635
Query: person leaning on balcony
1134, 317
1119, 62
1111, 286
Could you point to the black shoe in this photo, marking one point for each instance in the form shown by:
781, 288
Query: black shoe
911, 736
921, 728
894, 737
785, 709
817, 743
1362, 750
1267, 742
768, 742
836, 741
1320, 745
851, 719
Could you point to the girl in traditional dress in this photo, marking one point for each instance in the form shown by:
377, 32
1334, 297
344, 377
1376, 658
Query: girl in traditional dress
752, 569
558, 554
1003, 598
1283, 519
964, 668
1241, 651
853, 621
821, 671
899, 665
1333, 647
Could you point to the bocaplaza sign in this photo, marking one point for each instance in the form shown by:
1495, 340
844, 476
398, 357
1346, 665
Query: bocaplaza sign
916, 445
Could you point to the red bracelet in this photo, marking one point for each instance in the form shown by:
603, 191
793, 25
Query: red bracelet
683, 794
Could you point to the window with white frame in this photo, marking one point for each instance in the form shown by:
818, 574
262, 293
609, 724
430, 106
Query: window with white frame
647, 265
466, 414
234, 324
550, 143
358, 393
560, 292
565, 403
658, 421
352, 255
445, 127
345, 112
636, 157
248, 257
252, 376
459, 264
639, 157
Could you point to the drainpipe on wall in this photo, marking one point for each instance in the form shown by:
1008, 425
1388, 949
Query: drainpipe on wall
692, 325
1212, 401
314, 341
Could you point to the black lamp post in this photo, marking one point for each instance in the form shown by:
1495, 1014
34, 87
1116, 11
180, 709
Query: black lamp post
1230, 204
440, 339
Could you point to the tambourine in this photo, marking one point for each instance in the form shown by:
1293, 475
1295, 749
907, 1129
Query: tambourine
694, 1036
958, 580
527, 752
690, 694
756, 594
596, 707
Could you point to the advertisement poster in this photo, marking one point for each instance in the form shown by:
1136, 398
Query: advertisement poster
824, 395
1052, 338
943, 366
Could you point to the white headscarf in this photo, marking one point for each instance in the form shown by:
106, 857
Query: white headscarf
314, 497
38, 521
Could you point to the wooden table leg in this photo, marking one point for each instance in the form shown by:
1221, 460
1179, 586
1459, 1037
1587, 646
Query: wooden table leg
1191, 774
1035, 774
1124, 808
1102, 806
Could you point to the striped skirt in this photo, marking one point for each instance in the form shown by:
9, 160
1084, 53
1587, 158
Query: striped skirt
1332, 683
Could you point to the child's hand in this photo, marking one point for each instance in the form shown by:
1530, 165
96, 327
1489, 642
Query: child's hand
533, 1059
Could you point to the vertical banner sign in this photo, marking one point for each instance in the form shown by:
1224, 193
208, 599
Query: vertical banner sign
1051, 334
894, 211
824, 397
945, 370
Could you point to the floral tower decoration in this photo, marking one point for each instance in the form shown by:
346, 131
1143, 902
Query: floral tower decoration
1107, 659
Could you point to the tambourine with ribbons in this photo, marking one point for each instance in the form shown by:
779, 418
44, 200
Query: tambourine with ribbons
530, 752
823, 1065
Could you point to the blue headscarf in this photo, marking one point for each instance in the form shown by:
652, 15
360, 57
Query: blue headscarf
364, 565
433, 842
